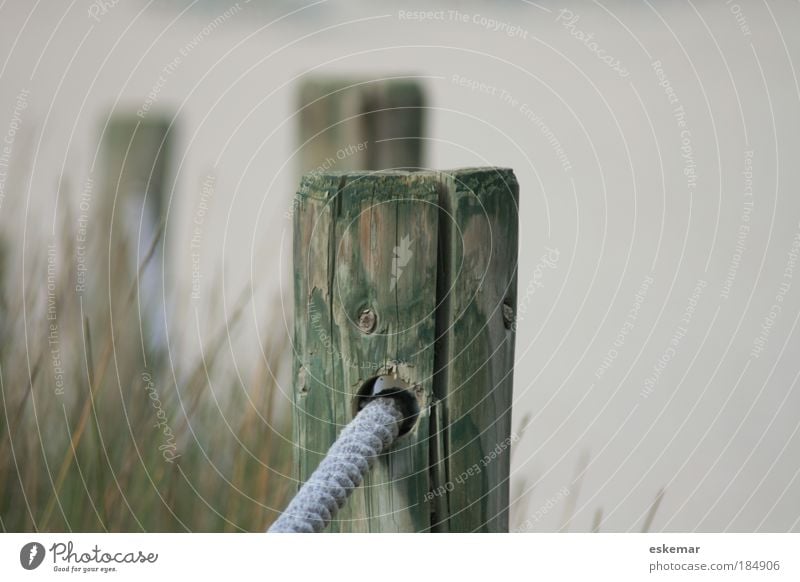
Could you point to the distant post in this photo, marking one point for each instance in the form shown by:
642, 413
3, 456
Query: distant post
411, 274
352, 124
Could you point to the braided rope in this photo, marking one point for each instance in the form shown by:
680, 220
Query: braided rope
343, 468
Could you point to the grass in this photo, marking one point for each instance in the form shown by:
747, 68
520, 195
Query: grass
102, 430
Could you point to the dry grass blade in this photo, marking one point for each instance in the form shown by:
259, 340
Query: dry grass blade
575, 490
648, 521
77, 434
598, 519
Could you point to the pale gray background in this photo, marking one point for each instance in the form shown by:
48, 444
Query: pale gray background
719, 431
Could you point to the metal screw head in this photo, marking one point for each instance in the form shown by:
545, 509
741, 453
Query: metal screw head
367, 320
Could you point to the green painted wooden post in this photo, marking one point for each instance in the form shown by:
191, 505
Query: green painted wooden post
412, 274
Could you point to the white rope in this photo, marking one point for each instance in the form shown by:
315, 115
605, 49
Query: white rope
343, 469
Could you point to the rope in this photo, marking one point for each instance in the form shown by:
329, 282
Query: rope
343, 469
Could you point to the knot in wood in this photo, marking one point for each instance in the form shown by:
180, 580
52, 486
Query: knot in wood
508, 315
367, 320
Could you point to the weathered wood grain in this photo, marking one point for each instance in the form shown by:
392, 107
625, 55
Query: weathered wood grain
348, 233
413, 273
475, 343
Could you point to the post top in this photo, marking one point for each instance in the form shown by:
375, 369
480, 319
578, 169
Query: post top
424, 182
402, 173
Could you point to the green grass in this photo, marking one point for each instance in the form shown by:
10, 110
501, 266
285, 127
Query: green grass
127, 438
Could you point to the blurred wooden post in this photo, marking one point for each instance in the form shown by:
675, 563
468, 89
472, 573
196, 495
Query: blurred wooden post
134, 174
347, 124
413, 273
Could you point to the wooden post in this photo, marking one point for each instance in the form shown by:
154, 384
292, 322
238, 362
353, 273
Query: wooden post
134, 173
412, 274
352, 124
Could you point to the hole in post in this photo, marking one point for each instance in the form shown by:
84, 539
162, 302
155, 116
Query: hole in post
387, 386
